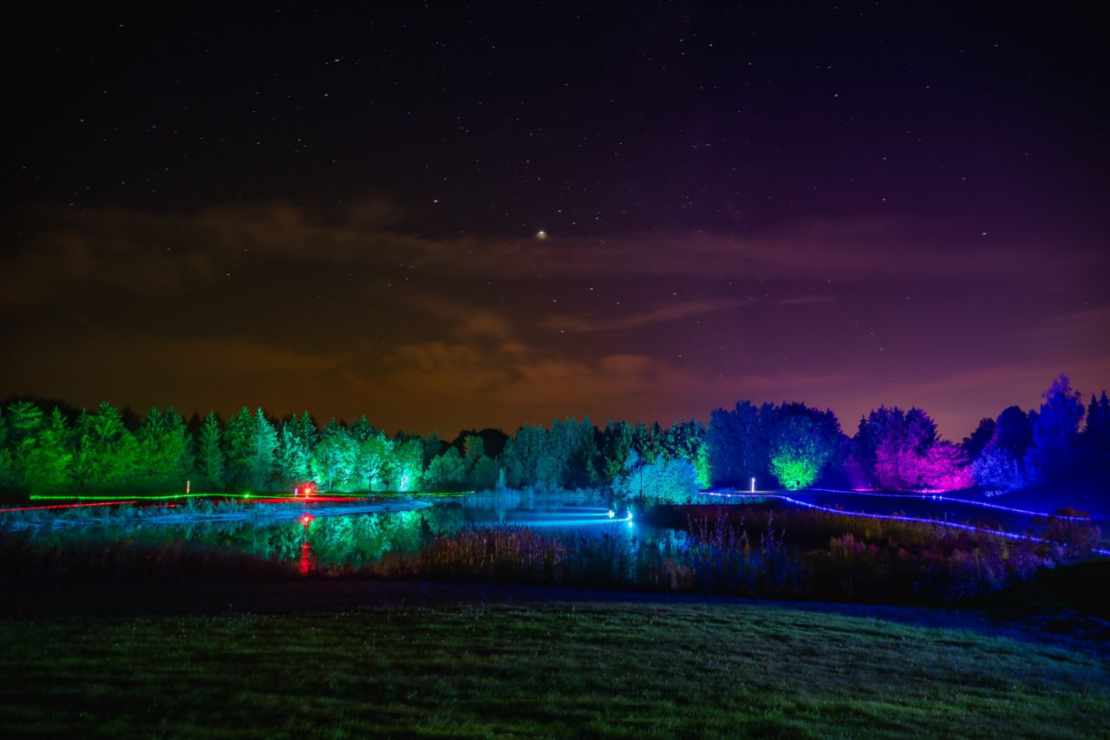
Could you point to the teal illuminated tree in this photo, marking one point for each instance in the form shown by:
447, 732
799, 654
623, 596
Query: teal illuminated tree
616, 443
448, 471
375, 460
238, 436
294, 453
408, 465
263, 447
521, 457
251, 443
668, 479
335, 459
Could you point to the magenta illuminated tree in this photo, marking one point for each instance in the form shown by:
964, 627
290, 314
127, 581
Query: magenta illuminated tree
945, 467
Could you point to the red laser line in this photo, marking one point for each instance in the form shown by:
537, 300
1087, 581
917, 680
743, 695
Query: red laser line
66, 506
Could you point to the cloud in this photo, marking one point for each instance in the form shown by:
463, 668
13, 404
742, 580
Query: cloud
659, 315
158, 253
468, 321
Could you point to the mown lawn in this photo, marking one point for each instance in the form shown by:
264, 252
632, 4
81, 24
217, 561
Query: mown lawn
630, 670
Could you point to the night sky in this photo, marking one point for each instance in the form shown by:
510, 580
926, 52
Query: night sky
449, 218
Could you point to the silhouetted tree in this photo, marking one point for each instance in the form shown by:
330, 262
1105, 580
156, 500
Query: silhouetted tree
1013, 432
974, 443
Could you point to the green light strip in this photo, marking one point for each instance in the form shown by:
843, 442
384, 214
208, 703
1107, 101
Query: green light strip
141, 497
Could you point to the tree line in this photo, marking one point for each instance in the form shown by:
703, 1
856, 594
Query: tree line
46, 449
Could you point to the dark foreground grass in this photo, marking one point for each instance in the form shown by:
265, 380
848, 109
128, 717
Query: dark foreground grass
632, 670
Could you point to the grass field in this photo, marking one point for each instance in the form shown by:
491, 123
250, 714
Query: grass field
633, 670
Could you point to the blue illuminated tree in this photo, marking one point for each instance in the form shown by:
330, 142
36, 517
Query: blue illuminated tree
1052, 455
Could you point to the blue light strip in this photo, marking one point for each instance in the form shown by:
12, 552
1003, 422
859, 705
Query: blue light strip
954, 500
895, 517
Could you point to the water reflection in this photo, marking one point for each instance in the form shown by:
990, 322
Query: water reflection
598, 535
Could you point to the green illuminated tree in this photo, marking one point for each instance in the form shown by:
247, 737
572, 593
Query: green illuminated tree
702, 473
210, 456
164, 460
107, 454
45, 457
7, 467
799, 451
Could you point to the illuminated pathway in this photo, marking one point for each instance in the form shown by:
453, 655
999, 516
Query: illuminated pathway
899, 517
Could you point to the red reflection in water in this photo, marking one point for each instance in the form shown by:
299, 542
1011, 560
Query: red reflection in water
307, 562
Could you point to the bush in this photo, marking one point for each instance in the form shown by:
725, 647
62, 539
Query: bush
671, 481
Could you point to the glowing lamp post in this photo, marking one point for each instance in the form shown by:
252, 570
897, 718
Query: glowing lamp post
753, 485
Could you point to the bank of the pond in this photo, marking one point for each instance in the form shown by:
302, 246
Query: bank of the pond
633, 670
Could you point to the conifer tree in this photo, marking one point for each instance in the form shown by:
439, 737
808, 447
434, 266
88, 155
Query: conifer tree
165, 459
46, 457
107, 454
263, 446
210, 456
238, 443
294, 454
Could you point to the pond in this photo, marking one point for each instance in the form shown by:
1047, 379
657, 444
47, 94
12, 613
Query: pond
776, 543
